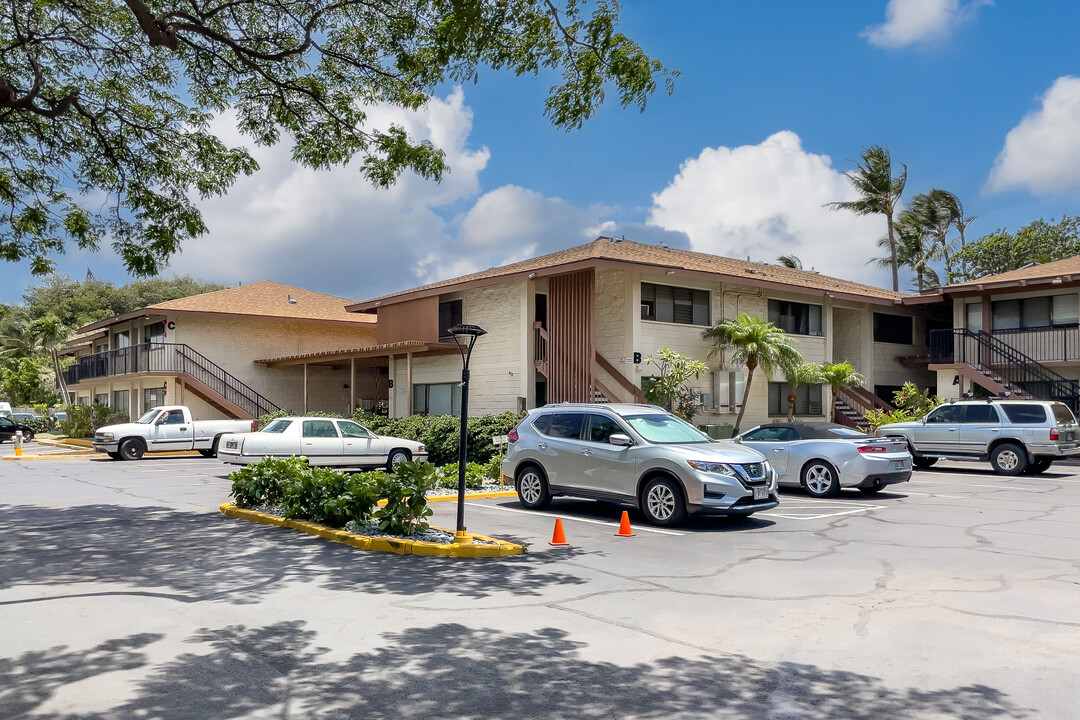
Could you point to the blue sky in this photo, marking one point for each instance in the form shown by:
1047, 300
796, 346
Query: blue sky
775, 100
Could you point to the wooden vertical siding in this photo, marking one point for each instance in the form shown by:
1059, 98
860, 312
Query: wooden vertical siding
571, 307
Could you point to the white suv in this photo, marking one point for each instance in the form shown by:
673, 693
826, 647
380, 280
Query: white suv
1016, 436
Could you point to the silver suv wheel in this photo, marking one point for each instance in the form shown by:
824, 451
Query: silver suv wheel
531, 488
661, 502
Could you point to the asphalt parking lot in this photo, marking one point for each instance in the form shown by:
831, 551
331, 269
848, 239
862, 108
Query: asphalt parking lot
125, 594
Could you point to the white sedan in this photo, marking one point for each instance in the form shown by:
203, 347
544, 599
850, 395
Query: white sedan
323, 441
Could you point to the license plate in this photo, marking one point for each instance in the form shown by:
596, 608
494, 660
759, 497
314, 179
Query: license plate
899, 465
761, 493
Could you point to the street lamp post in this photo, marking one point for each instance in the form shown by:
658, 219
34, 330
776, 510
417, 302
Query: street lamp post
464, 337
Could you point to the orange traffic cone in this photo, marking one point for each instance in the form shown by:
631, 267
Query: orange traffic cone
558, 539
624, 526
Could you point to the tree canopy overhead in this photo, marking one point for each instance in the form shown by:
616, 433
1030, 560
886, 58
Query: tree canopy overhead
105, 104
1002, 251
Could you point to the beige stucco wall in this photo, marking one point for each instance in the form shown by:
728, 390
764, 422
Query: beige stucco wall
499, 371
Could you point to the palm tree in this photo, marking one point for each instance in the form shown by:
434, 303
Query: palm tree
840, 376
955, 209
790, 261
879, 194
914, 250
756, 344
936, 212
798, 374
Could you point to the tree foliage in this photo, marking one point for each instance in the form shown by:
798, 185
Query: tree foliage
105, 105
672, 388
1002, 251
879, 194
798, 374
840, 376
755, 343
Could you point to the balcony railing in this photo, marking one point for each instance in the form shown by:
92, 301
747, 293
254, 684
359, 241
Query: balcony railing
1044, 344
171, 358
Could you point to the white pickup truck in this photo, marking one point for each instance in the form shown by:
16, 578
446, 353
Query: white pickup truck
166, 429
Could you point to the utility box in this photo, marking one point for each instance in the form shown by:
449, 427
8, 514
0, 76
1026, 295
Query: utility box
718, 432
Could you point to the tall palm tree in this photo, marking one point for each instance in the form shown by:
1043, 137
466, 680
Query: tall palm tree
879, 194
840, 376
955, 209
915, 250
797, 375
936, 212
756, 343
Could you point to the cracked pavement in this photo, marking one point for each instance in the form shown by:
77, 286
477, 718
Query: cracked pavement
125, 594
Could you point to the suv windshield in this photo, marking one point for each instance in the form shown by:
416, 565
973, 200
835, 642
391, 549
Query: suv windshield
665, 429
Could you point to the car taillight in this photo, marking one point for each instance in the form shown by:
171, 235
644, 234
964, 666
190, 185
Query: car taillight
512, 436
872, 449
254, 423
1053, 433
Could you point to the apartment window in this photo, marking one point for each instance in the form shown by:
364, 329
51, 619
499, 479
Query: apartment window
807, 399
892, 329
973, 320
153, 397
121, 340
121, 401
449, 316
1037, 312
437, 399
102, 399
154, 334
795, 318
664, 303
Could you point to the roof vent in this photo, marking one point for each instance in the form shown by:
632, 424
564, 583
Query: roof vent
292, 300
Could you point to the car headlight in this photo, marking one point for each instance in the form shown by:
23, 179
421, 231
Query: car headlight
714, 468
108, 437
420, 449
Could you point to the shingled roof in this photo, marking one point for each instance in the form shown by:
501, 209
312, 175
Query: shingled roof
611, 252
264, 299
1039, 271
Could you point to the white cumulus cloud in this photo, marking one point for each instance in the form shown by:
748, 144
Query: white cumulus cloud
909, 22
1042, 153
768, 200
330, 230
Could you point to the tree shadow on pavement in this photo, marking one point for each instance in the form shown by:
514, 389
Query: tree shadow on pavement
200, 557
450, 671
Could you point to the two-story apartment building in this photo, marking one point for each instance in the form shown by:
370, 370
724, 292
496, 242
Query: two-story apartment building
210, 352
579, 324
1016, 332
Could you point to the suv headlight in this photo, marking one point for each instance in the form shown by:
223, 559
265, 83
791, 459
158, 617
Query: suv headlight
108, 437
714, 468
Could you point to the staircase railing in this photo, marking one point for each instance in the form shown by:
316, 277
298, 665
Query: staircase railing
1003, 362
171, 358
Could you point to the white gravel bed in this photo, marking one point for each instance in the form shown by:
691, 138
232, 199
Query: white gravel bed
371, 529
490, 486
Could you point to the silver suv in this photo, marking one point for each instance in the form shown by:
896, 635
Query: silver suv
635, 454
1016, 436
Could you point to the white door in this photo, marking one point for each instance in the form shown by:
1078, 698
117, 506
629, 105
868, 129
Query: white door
171, 432
320, 443
361, 447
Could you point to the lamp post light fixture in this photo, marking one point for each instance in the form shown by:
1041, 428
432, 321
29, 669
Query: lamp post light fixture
464, 337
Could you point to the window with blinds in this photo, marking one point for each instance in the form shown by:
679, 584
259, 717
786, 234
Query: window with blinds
664, 303
795, 318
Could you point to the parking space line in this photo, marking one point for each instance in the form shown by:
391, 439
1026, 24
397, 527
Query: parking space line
784, 511
936, 495
572, 518
964, 484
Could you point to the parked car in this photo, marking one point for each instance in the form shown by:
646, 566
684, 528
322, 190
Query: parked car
24, 417
640, 455
9, 427
166, 429
825, 457
5, 410
1016, 436
323, 441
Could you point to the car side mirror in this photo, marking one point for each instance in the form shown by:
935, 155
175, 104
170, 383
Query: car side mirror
737, 440
620, 439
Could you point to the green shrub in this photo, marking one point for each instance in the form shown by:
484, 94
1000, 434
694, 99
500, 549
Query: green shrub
82, 421
262, 483
329, 496
406, 510
911, 404
440, 433
38, 425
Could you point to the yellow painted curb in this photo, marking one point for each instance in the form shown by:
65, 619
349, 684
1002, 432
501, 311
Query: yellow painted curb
501, 548
72, 456
474, 496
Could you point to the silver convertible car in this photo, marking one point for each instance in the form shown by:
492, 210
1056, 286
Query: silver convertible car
825, 457
323, 441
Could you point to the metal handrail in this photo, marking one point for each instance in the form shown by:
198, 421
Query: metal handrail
171, 358
991, 355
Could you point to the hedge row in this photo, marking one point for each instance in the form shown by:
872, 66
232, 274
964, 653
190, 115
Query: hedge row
438, 433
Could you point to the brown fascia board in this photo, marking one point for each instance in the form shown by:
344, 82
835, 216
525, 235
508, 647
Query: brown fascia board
609, 264
162, 313
1026, 283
